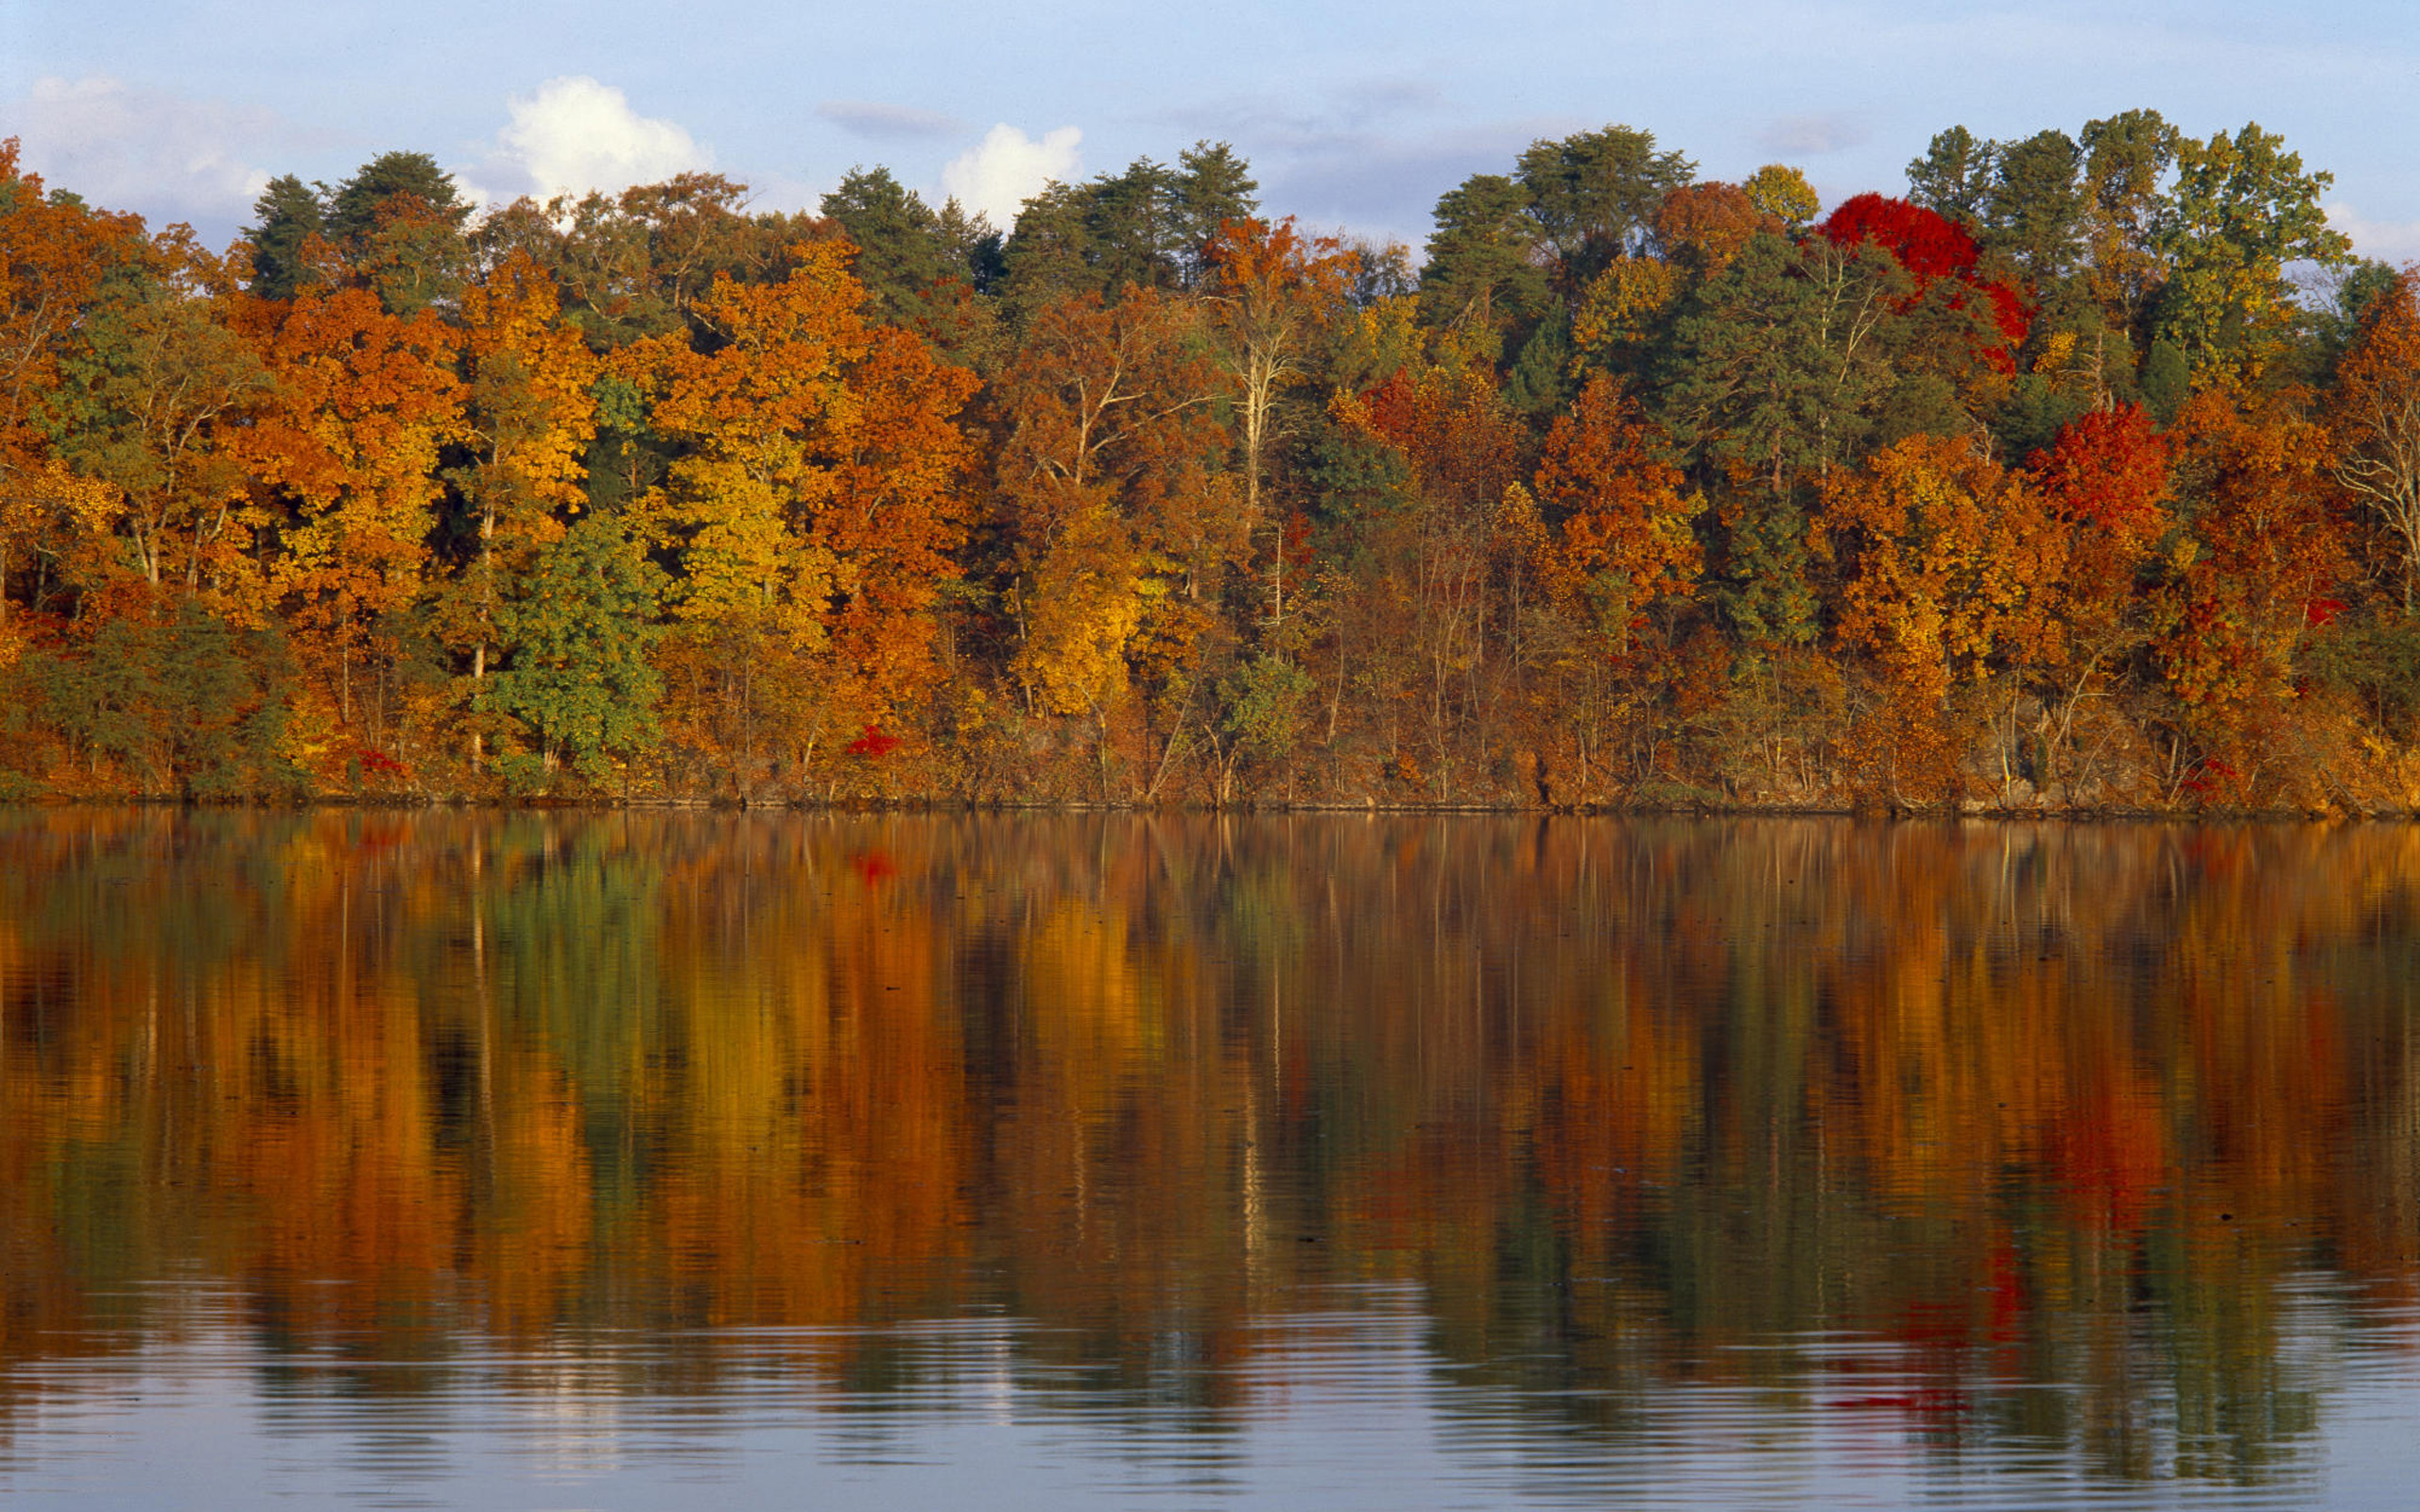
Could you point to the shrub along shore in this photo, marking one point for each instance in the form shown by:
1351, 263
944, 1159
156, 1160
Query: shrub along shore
2080, 475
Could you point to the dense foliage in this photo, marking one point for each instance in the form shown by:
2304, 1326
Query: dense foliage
2087, 473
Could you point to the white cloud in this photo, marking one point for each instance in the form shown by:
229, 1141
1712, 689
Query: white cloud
2388, 241
125, 148
998, 175
576, 134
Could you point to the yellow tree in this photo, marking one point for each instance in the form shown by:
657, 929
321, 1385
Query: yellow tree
1461, 445
1105, 475
1936, 547
902, 467
2242, 213
1625, 540
2375, 415
817, 497
530, 416
1622, 542
2254, 585
1782, 192
53, 255
1270, 291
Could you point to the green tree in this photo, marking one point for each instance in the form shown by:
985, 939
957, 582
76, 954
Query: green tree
902, 251
1593, 198
924, 267
2242, 209
185, 704
1213, 186
580, 682
151, 402
400, 220
1484, 275
1776, 372
1265, 703
1954, 177
288, 215
353, 210
2035, 211
1148, 227
2126, 160
1778, 366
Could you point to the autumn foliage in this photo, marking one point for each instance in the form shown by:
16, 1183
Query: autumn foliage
1617, 1101
1930, 246
2041, 487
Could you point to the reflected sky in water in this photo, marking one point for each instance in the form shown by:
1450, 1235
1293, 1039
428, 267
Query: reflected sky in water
641, 1160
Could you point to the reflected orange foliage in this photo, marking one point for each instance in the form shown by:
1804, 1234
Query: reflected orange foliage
1976, 1089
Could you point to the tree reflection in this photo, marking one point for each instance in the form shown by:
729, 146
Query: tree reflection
1635, 1105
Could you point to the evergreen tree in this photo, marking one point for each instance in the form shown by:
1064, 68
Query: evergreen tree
2033, 212
581, 681
902, 250
1213, 186
1484, 275
1954, 177
287, 216
355, 209
1593, 196
1145, 228
400, 220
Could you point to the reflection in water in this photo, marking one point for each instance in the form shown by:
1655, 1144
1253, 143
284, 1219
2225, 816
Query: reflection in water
1353, 1161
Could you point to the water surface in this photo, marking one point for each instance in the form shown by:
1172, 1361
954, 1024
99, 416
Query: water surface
712, 1160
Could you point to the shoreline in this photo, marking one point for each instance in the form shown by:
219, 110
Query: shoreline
935, 807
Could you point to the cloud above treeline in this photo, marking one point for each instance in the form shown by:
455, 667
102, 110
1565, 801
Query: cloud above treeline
1008, 167
1365, 155
120, 145
576, 134
2388, 241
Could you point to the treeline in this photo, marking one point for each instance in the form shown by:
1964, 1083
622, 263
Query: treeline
2085, 474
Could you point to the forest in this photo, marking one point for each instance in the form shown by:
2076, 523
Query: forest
2084, 476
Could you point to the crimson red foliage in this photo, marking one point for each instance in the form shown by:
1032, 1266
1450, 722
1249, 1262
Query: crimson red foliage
1926, 244
874, 744
2108, 467
1930, 246
2207, 777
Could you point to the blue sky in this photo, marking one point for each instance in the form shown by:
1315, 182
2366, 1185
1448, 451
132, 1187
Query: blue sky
1354, 115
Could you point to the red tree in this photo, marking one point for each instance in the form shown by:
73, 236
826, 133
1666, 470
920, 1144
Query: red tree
1930, 247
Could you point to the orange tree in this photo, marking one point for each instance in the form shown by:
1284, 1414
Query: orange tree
816, 496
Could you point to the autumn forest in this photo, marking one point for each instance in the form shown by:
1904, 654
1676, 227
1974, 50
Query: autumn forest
2082, 473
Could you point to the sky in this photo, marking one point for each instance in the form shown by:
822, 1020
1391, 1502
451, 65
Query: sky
1354, 116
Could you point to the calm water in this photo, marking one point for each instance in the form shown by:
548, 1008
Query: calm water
642, 1161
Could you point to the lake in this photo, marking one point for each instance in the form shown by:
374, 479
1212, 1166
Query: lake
704, 1161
